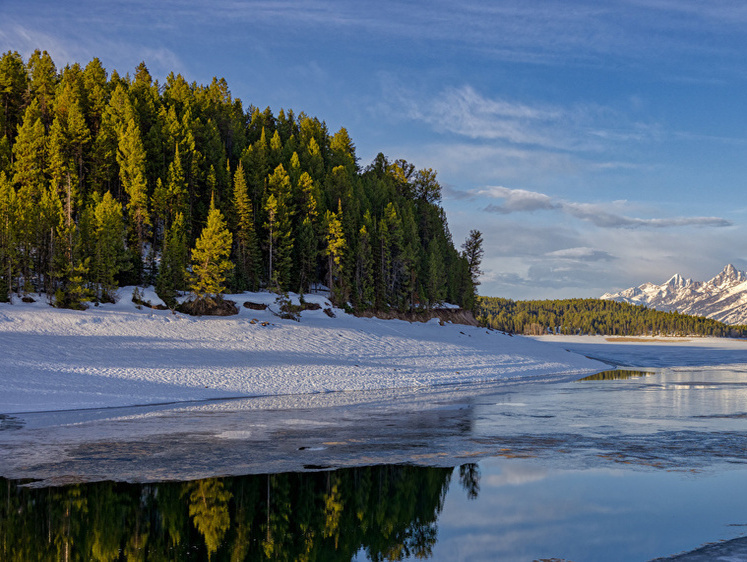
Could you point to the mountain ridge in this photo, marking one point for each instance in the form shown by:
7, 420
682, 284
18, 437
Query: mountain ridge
722, 298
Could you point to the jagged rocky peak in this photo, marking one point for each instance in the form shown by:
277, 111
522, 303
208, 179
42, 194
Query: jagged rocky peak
722, 298
729, 275
678, 281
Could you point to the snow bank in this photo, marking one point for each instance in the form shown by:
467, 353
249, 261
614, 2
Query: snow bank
119, 354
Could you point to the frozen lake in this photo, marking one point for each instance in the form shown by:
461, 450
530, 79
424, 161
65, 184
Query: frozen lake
627, 465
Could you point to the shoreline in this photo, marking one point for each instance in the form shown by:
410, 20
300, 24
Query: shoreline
117, 355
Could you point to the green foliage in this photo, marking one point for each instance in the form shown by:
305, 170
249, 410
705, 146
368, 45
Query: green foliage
595, 316
68, 138
210, 257
375, 512
334, 249
173, 269
246, 250
109, 257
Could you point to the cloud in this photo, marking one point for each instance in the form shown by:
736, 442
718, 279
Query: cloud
581, 254
464, 112
520, 200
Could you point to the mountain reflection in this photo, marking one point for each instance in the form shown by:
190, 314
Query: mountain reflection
382, 512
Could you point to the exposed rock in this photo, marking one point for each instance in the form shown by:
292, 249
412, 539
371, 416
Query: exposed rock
723, 298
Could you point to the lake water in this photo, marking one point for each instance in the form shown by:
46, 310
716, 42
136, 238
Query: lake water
627, 465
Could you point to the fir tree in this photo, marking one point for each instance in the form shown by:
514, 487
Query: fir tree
210, 257
473, 253
110, 249
131, 159
13, 85
173, 267
364, 266
334, 251
246, 249
280, 240
8, 236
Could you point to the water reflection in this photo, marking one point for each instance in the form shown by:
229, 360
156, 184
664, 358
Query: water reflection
617, 375
384, 512
621, 467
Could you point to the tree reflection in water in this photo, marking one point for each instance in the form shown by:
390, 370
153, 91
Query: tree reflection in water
386, 512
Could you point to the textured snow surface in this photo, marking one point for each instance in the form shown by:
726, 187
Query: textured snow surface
118, 354
723, 298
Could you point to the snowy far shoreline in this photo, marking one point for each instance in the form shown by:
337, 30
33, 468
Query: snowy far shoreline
117, 355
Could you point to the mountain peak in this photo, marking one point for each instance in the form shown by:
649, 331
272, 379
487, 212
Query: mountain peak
729, 275
678, 281
722, 298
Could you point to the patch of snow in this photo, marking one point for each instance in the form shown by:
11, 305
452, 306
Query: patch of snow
119, 355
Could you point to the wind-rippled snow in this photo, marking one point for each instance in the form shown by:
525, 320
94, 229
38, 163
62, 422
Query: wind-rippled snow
118, 355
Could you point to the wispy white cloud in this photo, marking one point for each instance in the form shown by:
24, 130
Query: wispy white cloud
581, 253
521, 200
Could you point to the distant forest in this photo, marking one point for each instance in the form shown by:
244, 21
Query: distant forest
110, 180
595, 316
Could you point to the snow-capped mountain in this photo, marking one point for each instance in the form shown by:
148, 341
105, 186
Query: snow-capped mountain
723, 298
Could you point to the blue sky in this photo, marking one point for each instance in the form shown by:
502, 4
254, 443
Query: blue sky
596, 145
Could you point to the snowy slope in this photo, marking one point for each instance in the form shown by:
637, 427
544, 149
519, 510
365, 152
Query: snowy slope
723, 298
117, 354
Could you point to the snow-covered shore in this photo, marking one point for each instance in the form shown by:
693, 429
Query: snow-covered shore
120, 355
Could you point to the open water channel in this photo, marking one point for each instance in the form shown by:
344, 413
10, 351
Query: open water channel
625, 465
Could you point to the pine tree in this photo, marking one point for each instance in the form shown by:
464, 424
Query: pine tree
13, 85
364, 266
8, 236
473, 253
131, 159
209, 257
343, 151
334, 251
271, 211
246, 249
436, 274
43, 81
110, 249
307, 251
173, 267
280, 239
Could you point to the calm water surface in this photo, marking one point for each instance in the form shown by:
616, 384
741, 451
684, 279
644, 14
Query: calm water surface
627, 465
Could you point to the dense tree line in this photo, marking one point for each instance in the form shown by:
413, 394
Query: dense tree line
387, 512
108, 180
595, 316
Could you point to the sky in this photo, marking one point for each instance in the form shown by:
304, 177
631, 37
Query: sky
596, 145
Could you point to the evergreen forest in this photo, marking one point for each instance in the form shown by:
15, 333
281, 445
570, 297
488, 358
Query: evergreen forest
109, 180
595, 316
385, 512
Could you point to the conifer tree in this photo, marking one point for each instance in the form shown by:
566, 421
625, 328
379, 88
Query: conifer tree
343, 151
307, 251
246, 249
281, 239
8, 236
436, 275
43, 80
334, 251
131, 159
271, 211
13, 85
110, 248
364, 266
210, 257
473, 253
171, 198
173, 267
